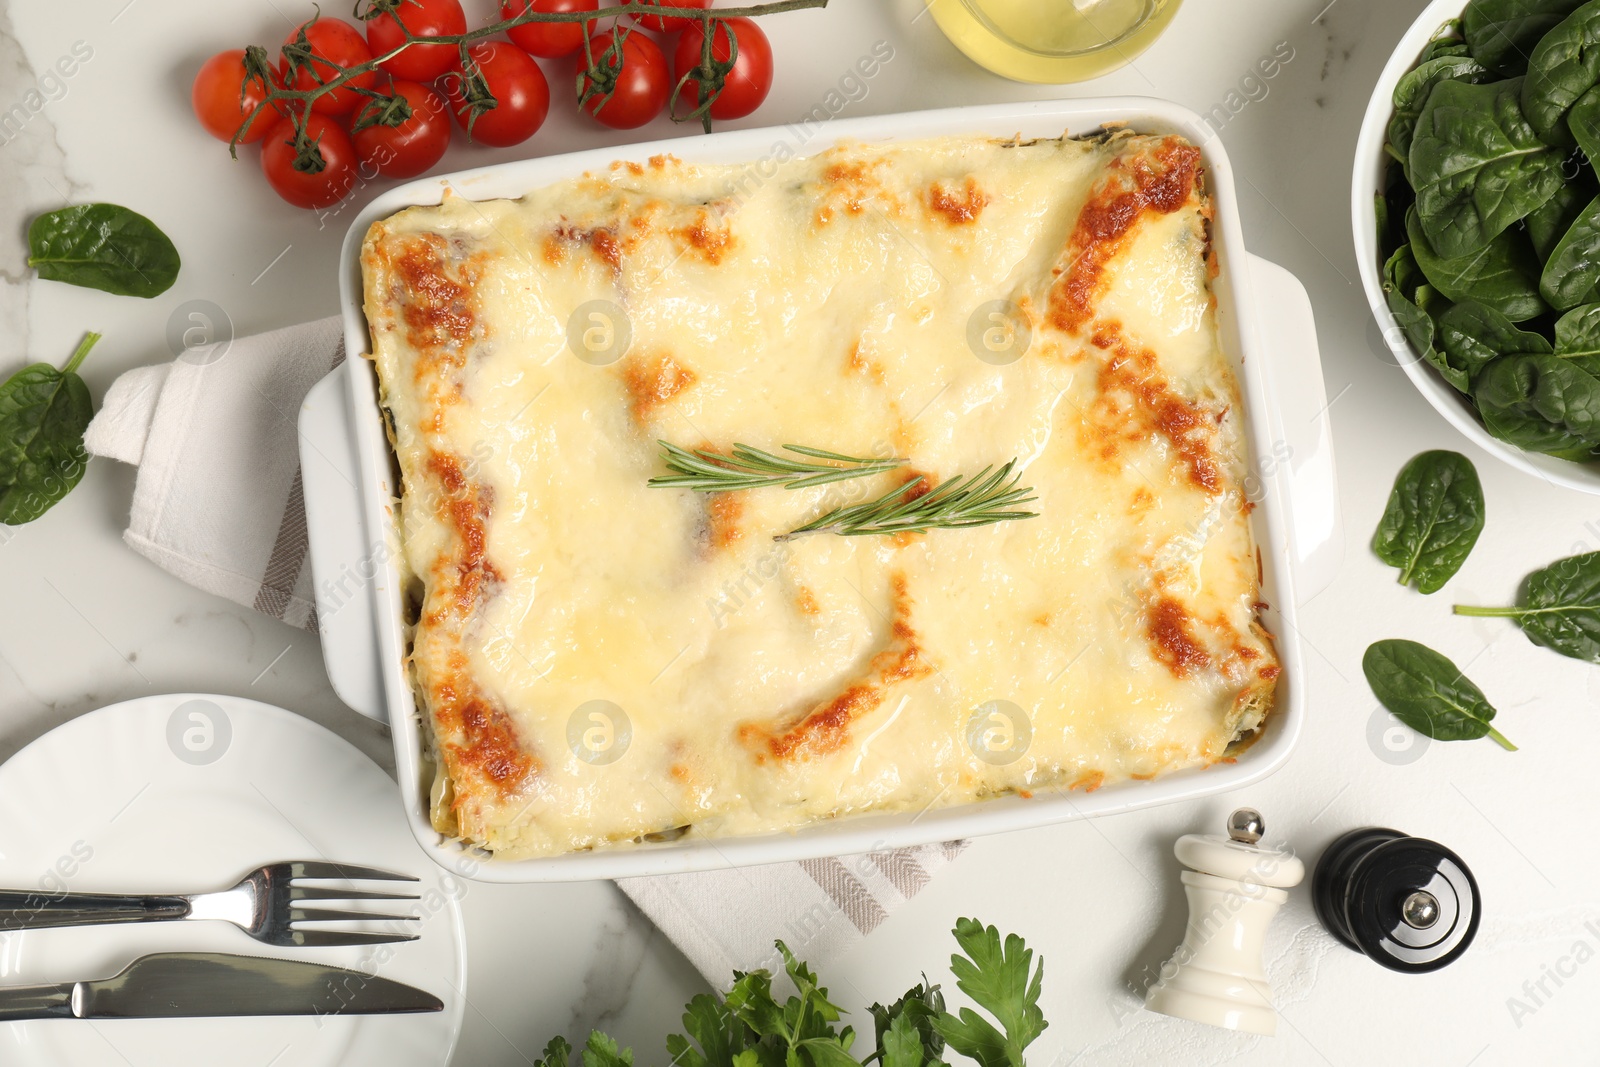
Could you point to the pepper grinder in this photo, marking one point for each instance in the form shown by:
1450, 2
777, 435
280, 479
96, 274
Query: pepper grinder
1234, 889
1406, 902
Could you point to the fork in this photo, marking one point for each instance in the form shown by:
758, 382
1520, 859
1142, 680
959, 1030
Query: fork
266, 904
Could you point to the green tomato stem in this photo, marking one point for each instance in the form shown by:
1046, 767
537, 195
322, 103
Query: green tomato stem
1500, 739
87, 343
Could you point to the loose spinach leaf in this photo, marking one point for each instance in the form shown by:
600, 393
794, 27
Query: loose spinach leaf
1477, 165
1572, 274
1424, 690
103, 246
1411, 92
1473, 336
1549, 223
1502, 33
1542, 403
996, 976
43, 414
1434, 517
1560, 607
1562, 67
1504, 275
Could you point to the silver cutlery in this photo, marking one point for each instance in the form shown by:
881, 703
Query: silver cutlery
181, 985
268, 905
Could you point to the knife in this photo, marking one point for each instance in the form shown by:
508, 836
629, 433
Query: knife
174, 985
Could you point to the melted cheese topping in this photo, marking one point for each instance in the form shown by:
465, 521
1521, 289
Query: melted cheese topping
600, 662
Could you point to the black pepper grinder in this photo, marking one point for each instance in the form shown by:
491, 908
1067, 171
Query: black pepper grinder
1409, 903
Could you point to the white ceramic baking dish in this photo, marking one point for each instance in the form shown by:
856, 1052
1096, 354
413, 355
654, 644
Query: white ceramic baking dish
1266, 322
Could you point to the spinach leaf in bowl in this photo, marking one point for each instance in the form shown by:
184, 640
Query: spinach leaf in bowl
1429, 693
1504, 275
1434, 517
1501, 33
1549, 222
1561, 68
1403, 286
1578, 334
1571, 275
1560, 607
1541, 403
1584, 122
1477, 166
1474, 335
1412, 92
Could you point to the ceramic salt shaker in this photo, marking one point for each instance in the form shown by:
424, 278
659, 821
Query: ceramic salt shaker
1235, 887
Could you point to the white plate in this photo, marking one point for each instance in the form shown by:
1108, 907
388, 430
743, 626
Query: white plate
186, 793
1265, 322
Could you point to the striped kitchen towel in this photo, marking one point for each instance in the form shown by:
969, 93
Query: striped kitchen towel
218, 503
727, 920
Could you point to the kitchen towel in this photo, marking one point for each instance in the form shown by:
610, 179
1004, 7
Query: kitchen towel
218, 503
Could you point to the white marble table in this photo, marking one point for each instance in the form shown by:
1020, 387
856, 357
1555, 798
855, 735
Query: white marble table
89, 622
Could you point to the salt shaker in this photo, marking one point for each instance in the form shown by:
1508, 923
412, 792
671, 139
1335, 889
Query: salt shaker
1235, 888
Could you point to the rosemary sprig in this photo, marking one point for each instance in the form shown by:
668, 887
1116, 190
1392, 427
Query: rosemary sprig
751, 468
957, 504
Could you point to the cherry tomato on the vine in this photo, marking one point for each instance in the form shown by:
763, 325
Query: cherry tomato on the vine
638, 90
522, 96
671, 23
327, 186
218, 103
746, 85
424, 18
548, 40
334, 46
409, 149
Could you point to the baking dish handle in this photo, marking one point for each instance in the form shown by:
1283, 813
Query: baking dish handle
1303, 431
346, 560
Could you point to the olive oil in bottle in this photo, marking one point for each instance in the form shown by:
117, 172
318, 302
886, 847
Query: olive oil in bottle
1053, 40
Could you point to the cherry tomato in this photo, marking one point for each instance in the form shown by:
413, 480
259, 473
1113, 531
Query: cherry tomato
671, 23
522, 95
424, 18
638, 90
407, 150
549, 40
746, 85
217, 102
334, 44
322, 189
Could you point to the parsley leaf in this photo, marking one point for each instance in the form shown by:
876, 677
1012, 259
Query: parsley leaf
919, 1007
556, 1053
996, 976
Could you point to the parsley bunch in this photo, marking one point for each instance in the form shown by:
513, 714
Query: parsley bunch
748, 1027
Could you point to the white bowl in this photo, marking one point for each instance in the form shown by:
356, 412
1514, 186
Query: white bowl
1371, 165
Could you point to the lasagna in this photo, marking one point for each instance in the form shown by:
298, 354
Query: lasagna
599, 663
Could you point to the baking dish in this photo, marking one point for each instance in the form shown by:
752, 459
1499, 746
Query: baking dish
1265, 322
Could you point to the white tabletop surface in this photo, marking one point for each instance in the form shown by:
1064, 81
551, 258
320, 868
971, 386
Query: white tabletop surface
90, 622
